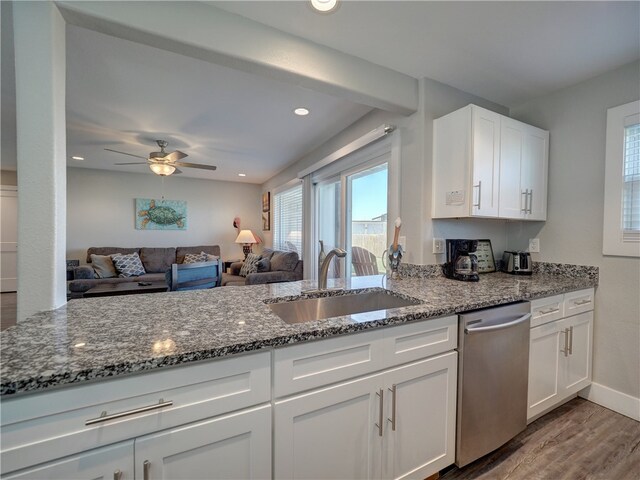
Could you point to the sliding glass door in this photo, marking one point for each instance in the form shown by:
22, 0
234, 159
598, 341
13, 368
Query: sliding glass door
351, 213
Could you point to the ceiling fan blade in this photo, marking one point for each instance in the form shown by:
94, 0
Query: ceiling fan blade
125, 153
133, 163
195, 165
175, 156
177, 171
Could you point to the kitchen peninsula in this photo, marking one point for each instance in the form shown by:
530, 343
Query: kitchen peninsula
61, 369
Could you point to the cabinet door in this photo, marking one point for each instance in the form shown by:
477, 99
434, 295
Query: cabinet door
330, 433
236, 446
423, 441
535, 160
513, 196
576, 371
485, 162
544, 357
113, 462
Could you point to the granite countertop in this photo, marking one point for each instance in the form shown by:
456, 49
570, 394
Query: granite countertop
97, 338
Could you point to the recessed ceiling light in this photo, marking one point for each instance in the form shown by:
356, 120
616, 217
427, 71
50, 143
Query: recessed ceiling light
242, 174
301, 111
77, 158
324, 6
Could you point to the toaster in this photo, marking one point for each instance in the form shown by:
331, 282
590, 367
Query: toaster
517, 263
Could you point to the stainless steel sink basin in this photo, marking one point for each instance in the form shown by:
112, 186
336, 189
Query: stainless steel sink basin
309, 309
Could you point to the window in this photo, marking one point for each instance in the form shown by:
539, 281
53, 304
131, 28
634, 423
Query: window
621, 234
287, 219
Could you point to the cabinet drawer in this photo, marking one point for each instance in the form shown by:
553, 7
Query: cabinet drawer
415, 341
544, 310
311, 365
40, 427
578, 302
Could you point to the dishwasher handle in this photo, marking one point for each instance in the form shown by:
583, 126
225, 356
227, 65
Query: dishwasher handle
499, 326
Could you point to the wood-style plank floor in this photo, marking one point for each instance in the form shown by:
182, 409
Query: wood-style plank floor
579, 440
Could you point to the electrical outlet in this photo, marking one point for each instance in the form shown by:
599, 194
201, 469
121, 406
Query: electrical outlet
534, 245
402, 240
438, 245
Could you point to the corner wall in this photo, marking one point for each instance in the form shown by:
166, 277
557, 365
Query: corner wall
101, 204
576, 117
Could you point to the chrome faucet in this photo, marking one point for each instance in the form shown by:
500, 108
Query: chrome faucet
324, 268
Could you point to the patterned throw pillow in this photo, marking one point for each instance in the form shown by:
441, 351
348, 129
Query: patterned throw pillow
128, 265
209, 257
250, 265
195, 257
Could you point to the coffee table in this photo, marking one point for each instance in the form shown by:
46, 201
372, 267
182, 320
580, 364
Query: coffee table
125, 288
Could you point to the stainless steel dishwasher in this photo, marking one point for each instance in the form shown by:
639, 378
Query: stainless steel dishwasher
493, 375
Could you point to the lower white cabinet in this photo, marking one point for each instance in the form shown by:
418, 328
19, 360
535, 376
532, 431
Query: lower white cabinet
399, 423
559, 361
236, 446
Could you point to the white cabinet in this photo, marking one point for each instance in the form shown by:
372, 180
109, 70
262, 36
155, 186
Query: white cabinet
560, 357
236, 446
399, 423
112, 462
524, 158
488, 165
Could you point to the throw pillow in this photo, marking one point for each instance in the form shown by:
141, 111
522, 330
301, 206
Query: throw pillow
284, 261
128, 265
195, 257
103, 266
210, 258
250, 265
264, 265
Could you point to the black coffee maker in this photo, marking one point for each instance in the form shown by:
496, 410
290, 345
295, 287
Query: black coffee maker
462, 263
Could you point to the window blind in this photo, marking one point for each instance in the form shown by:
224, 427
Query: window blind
287, 220
631, 181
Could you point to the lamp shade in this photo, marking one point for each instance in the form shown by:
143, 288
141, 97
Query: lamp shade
162, 169
246, 236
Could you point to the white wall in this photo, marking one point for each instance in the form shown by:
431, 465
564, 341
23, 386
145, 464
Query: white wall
100, 211
576, 117
436, 99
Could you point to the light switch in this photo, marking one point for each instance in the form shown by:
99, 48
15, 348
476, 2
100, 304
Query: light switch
438, 245
534, 245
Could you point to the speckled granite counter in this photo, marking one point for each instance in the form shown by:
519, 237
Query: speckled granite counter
104, 337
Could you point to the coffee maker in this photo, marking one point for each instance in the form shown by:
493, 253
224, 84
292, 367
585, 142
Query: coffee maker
462, 263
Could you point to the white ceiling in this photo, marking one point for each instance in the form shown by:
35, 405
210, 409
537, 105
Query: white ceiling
508, 52
124, 95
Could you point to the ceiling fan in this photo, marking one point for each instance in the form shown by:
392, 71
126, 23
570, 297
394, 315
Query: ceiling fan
164, 163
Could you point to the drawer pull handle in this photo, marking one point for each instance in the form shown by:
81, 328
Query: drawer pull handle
117, 475
479, 187
570, 340
549, 310
394, 392
566, 342
582, 302
380, 393
105, 418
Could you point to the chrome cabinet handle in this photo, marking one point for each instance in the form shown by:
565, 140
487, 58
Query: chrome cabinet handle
566, 342
393, 391
549, 310
104, 417
526, 196
570, 340
530, 201
146, 470
581, 302
380, 415
117, 475
479, 187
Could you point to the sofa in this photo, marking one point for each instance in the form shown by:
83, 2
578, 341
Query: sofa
275, 267
156, 261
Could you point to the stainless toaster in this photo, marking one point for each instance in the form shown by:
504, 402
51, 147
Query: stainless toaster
517, 263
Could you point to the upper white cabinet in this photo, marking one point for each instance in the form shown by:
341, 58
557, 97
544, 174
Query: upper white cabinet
524, 159
488, 165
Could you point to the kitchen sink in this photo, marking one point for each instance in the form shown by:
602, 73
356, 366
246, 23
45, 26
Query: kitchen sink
310, 309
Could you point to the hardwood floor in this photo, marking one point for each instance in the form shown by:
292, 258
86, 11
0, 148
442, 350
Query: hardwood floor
579, 440
8, 309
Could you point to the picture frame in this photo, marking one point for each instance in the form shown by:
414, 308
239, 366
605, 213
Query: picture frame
484, 254
266, 223
266, 202
160, 214
266, 211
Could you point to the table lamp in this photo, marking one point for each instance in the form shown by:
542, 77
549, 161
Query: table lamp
247, 238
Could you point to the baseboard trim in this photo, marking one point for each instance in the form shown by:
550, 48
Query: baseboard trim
613, 400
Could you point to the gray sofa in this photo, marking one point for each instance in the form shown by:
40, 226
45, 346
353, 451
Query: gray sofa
280, 267
156, 262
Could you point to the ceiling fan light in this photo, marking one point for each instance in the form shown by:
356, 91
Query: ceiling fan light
324, 6
162, 169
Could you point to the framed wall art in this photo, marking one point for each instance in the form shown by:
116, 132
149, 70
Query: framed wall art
266, 211
163, 214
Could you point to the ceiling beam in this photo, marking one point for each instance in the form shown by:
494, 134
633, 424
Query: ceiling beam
208, 33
